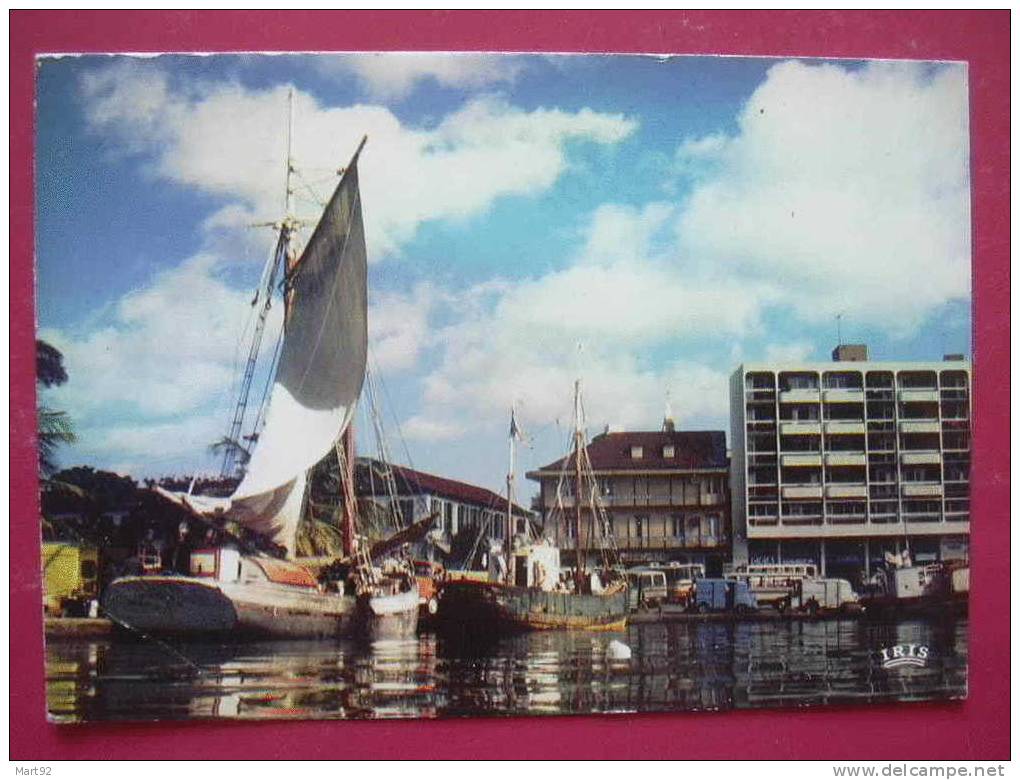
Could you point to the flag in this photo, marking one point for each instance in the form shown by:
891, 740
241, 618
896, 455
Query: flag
515, 432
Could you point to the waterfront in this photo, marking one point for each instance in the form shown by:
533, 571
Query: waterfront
674, 667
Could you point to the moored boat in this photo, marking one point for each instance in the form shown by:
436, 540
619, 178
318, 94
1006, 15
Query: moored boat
903, 585
527, 589
318, 376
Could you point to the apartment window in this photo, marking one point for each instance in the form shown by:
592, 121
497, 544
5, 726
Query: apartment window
637, 452
677, 526
570, 526
843, 380
798, 381
606, 486
669, 451
640, 526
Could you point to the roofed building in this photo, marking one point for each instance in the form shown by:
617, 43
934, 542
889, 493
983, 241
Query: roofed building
666, 494
459, 505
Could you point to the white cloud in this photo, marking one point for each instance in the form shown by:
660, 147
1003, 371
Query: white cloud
850, 187
392, 75
164, 351
226, 140
399, 327
605, 318
166, 356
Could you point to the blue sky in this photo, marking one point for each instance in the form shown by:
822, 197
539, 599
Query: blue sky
643, 223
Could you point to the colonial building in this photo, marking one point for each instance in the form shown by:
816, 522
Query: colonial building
665, 493
459, 505
838, 463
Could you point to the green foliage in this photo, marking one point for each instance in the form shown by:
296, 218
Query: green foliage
49, 365
55, 427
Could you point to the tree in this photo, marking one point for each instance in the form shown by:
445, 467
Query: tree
55, 427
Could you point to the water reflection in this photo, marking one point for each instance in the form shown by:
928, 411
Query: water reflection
677, 666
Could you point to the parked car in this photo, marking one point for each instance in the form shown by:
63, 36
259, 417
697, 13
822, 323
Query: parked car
680, 578
821, 594
648, 586
723, 595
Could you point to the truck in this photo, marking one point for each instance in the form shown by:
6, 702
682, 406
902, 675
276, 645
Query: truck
821, 594
648, 586
713, 594
70, 579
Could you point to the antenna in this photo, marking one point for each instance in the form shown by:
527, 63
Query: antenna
839, 329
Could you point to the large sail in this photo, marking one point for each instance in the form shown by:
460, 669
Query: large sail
320, 372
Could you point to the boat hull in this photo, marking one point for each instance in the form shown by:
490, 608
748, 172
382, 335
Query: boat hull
191, 606
498, 608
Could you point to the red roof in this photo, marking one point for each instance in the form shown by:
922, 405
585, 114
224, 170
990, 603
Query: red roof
412, 482
614, 452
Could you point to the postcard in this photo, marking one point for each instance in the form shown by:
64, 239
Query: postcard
435, 385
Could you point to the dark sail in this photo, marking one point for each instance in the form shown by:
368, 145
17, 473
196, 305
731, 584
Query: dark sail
321, 368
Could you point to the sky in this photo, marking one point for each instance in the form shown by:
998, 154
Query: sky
643, 224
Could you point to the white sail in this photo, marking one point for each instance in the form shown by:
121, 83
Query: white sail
321, 368
319, 376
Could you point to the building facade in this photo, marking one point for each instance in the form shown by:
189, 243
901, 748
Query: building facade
665, 494
459, 506
838, 463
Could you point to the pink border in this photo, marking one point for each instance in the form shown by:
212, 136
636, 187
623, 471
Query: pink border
976, 729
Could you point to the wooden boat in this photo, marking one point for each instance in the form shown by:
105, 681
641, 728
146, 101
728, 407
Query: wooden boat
319, 375
527, 590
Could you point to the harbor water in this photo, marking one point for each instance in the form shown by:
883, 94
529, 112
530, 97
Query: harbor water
679, 666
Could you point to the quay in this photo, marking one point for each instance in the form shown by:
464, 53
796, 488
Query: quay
77, 628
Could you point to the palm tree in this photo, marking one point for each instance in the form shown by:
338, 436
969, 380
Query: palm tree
55, 427
224, 444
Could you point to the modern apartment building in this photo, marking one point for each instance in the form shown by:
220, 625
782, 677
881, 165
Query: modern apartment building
838, 463
665, 493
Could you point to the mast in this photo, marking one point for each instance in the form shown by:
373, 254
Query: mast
578, 443
347, 529
282, 256
509, 535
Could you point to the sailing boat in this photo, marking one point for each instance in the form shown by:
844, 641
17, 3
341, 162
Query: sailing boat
527, 589
318, 379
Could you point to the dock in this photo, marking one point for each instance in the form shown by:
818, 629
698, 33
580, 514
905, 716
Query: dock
77, 628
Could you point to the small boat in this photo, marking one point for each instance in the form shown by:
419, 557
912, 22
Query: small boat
319, 374
904, 585
527, 589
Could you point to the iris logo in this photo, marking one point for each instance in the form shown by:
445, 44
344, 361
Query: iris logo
904, 655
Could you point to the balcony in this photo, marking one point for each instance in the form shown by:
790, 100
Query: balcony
799, 396
845, 459
803, 459
920, 458
844, 396
836, 427
921, 489
919, 426
909, 396
798, 428
846, 491
802, 491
